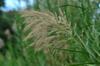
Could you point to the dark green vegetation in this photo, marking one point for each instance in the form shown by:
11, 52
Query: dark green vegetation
7, 34
84, 43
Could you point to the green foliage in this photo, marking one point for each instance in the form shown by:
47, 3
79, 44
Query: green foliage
85, 37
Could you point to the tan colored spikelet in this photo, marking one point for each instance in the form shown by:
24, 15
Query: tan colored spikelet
38, 27
47, 32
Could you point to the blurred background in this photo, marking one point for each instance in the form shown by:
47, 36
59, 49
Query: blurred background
11, 5
17, 4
